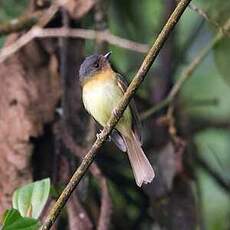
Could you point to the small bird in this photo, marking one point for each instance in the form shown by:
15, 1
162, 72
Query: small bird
102, 89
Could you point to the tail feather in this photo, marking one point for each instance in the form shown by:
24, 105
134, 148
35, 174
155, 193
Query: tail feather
142, 169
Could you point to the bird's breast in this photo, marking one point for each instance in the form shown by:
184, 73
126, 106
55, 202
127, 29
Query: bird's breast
100, 97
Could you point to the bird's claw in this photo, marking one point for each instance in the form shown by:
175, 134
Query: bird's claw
99, 136
115, 112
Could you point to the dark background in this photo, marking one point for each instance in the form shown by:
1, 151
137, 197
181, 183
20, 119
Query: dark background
187, 142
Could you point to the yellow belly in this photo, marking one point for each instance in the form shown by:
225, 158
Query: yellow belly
101, 98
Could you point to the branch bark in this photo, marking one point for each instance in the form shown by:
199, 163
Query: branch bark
136, 82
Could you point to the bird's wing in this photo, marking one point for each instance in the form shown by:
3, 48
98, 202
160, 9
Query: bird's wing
115, 137
136, 125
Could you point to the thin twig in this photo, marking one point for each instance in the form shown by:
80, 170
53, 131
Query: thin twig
136, 82
48, 14
204, 15
40, 18
186, 73
22, 41
18, 24
77, 215
37, 32
106, 204
93, 34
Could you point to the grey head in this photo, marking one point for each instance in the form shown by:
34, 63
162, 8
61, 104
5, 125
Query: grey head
92, 64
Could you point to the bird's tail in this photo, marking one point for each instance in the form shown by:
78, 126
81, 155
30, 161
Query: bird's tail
142, 169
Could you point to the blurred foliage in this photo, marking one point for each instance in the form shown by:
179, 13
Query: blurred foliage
218, 10
10, 9
214, 146
222, 57
143, 19
206, 83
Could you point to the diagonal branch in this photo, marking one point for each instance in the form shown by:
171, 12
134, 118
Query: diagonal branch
136, 82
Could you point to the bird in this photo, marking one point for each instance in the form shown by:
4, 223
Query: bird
102, 89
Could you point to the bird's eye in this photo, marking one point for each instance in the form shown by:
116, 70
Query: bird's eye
96, 65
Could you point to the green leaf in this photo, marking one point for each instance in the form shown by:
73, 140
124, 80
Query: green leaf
213, 146
222, 58
13, 220
31, 199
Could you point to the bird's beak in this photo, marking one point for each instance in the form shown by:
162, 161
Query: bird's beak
106, 56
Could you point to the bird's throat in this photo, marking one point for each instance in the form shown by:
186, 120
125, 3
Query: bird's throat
98, 78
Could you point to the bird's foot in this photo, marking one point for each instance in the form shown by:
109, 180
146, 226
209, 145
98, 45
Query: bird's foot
99, 135
115, 112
